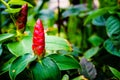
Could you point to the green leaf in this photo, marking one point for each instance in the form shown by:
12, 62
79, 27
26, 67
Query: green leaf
74, 10
113, 30
65, 62
96, 13
91, 52
65, 77
12, 10
21, 47
5, 67
56, 43
99, 21
25, 45
4, 37
115, 72
80, 78
95, 40
88, 69
1, 49
19, 64
19, 2
46, 69
111, 48
112, 26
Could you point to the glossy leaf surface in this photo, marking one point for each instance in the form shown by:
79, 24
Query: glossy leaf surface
21, 47
115, 72
19, 64
45, 69
56, 43
113, 30
111, 48
65, 62
6, 36
91, 52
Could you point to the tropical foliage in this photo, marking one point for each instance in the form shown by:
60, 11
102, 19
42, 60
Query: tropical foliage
82, 41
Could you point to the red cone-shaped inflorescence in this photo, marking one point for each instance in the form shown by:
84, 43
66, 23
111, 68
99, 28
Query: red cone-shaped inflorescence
38, 39
22, 18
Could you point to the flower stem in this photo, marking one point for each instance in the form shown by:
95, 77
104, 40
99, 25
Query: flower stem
8, 7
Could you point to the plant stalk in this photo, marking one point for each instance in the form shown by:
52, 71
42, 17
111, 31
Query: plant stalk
8, 7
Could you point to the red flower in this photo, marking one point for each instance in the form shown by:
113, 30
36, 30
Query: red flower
38, 39
22, 18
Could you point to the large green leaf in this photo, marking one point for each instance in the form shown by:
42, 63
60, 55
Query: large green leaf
113, 30
65, 62
91, 52
95, 14
19, 2
111, 48
98, 12
19, 64
45, 69
115, 72
6, 36
12, 10
25, 45
56, 43
74, 10
112, 26
21, 47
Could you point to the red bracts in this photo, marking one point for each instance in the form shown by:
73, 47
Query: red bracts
38, 39
22, 18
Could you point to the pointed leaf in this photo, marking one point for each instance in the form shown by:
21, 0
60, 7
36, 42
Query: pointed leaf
12, 10
99, 21
91, 52
5, 67
81, 77
115, 72
6, 36
88, 69
21, 47
98, 12
112, 26
95, 40
65, 62
65, 77
56, 43
19, 64
19, 2
46, 69
113, 30
111, 48
1, 49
